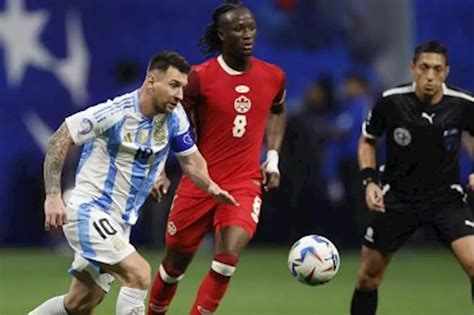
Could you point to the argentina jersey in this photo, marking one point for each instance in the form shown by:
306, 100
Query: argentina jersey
123, 154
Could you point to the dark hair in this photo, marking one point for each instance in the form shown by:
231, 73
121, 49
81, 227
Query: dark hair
210, 42
164, 60
431, 46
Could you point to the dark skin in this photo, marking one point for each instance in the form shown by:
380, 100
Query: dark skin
237, 32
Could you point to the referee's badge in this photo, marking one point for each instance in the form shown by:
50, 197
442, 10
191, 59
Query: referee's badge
402, 136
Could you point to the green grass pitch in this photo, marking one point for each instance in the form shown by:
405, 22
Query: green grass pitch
418, 282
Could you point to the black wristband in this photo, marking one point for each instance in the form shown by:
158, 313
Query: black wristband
369, 175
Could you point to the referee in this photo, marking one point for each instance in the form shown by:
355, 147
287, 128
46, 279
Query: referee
423, 122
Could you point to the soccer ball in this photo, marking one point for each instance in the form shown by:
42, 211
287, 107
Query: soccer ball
313, 260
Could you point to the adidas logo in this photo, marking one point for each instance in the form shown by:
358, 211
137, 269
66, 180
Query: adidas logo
203, 311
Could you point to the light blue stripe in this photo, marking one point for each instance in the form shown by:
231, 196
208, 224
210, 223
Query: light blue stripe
139, 171
103, 110
137, 101
145, 191
85, 154
83, 226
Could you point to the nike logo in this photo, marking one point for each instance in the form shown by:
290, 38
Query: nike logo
428, 117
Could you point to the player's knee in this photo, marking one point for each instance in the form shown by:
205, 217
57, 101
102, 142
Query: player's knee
79, 306
139, 276
225, 264
170, 273
469, 267
367, 280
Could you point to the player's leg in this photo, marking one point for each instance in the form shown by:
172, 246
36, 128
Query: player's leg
463, 249
384, 236
235, 227
83, 296
371, 272
134, 273
455, 227
189, 221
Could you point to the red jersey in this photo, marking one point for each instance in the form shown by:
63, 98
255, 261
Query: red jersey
230, 111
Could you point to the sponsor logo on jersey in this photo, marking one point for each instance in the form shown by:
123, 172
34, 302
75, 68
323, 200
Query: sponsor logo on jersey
469, 223
428, 117
172, 228
128, 138
242, 89
187, 139
242, 104
369, 234
402, 136
86, 126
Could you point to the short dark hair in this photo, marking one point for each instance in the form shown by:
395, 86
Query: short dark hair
431, 46
210, 43
164, 60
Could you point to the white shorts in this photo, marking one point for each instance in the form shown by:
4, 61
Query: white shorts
96, 238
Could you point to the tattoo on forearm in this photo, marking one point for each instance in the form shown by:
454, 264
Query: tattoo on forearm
54, 160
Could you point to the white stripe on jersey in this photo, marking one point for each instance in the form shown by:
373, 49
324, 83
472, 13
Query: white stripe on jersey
124, 152
451, 92
400, 90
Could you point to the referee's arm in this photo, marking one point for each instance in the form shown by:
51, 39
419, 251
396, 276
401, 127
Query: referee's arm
367, 164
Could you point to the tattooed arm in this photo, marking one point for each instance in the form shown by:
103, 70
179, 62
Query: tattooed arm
54, 208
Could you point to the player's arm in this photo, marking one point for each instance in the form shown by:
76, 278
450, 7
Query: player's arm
195, 167
468, 136
55, 211
275, 131
77, 129
372, 128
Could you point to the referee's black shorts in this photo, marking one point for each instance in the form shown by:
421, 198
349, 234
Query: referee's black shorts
388, 231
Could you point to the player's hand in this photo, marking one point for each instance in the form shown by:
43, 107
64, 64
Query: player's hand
221, 195
270, 180
160, 187
54, 212
374, 197
471, 181
270, 171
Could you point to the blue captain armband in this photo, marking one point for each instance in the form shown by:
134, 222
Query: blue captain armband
183, 144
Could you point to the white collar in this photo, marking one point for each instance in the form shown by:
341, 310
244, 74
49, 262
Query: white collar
226, 67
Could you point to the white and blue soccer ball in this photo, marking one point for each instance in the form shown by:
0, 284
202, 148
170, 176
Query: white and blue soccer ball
313, 260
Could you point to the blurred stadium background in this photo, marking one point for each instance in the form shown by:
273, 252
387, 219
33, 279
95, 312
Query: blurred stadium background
57, 57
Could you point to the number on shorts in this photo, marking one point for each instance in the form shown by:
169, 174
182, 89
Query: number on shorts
105, 228
257, 205
240, 122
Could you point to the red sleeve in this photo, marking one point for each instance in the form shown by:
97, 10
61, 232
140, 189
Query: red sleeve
192, 92
280, 97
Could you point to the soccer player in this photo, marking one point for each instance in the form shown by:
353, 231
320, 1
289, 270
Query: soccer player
126, 142
423, 122
233, 98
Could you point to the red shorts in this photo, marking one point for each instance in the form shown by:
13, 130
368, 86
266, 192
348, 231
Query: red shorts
191, 218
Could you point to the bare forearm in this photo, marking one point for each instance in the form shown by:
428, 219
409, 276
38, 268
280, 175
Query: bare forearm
275, 130
54, 160
195, 167
366, 153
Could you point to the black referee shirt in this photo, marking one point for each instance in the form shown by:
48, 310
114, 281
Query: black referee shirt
422, 140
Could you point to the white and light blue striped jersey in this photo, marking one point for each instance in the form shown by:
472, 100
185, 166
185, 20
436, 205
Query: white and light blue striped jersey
123, 154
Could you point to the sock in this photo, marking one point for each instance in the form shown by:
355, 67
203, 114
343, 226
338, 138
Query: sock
53, 306
131, 301
215, 284
164, 288
364, 302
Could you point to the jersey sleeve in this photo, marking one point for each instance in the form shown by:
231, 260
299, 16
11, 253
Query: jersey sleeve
375, 123
182, 142
281, 95
469, 116
192, 91
93, 121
